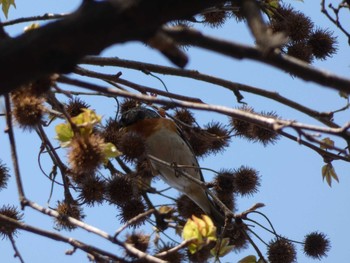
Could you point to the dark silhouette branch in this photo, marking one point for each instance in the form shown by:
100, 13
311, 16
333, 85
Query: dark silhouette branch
323, 117
276, 59
14, 154
58, 46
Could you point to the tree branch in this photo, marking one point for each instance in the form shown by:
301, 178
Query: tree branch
58, 46
275, 59
194, 74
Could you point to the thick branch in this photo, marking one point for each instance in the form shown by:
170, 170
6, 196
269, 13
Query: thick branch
58, 46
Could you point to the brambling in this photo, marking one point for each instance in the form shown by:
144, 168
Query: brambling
164, 140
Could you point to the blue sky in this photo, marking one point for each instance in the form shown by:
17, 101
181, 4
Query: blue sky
297, 200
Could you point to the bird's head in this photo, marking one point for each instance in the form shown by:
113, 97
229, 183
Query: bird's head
137, 114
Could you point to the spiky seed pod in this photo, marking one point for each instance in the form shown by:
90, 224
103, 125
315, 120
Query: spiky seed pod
198, 140
215, 19
6, 229
144, 175
281, 250
186, 207
175, 257
133, 146
131, 209
28, 109
112, 132
139, 241
120, 189
300, 50
316, 245
294, 23
322, 43
68, 208
224, 187
86, 154
184, 116
263, 135
128, 104
246, 181
236, 236
237, 11
218, 136
4, 175
242, 128
92, 190
75, 106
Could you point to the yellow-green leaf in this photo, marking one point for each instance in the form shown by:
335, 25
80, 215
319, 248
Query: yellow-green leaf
64, 133
110, 151
191, 231
248, 259
327, 143
6, 6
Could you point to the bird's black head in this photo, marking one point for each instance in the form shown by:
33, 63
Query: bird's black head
136, 114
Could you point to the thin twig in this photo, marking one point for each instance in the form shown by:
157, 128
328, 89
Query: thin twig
131, 249
325, 118
33, 18
287, 63
17, 253
133, 220
176, 248
269, 123
57, 237
14, 150
141, 88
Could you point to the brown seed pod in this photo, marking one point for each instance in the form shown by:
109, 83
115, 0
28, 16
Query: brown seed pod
6, 229
68, 208
75, 106
186, 207
316, 245
27, 109
218, 136
92, 190
139, 241
4, 175
120, 189
323, 44
131, 209
281, 250
215, 19
133, 147
86, 154
177, 256
246, 181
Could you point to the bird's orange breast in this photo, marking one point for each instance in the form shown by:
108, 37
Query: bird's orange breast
148, 127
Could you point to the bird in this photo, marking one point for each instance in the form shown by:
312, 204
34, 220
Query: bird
165, 141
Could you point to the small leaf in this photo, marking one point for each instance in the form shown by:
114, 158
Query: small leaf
110, 151
328, 173
248, 259
64, 134
343, 94
326, 143
6, 6
191, 231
